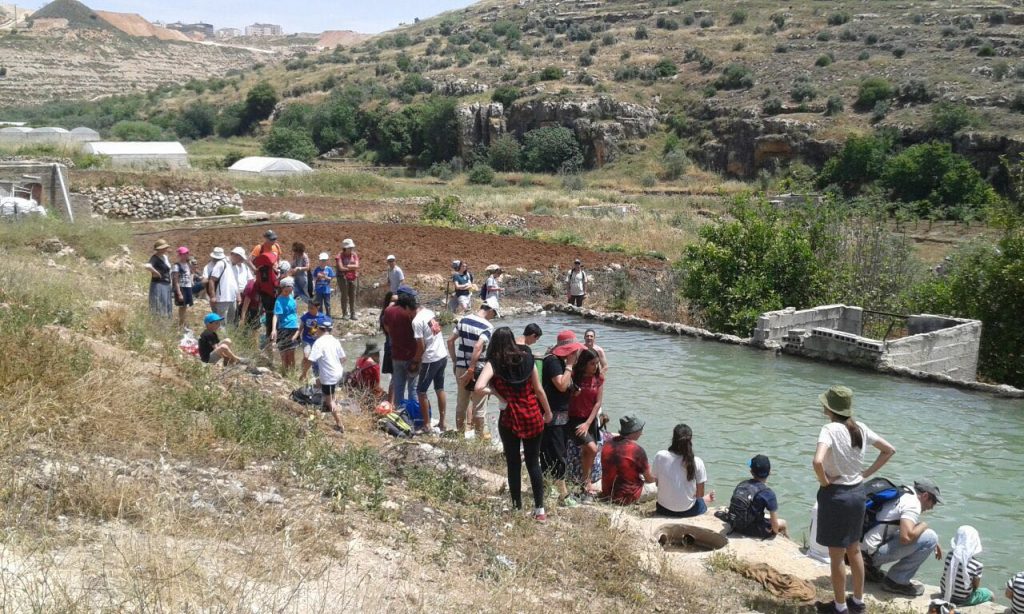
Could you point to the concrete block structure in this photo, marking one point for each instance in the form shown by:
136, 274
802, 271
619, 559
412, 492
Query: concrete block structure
938, 345
44, 182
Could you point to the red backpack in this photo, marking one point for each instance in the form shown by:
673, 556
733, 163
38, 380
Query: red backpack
266, 275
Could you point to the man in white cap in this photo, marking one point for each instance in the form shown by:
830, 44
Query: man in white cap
222, 285
395, 275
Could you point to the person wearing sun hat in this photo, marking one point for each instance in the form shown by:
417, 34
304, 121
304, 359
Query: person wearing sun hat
492, 286
839, 466
159, 267
347, 262
627, 478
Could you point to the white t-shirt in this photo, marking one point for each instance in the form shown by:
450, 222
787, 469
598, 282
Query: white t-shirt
395, 278
434, 348
329, 357
242, 275
576, 280
227, 285
492, 287
843, 462
908, 506
675, 492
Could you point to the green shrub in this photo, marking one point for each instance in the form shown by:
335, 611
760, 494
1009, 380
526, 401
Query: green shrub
737, 17
834, 105
130, 130
1000, 69
444, 210
871, 39
871, 91
289, 143
196, 121
838, 19
666, 23
665, 68
847, 35
481, 174
772, 106
863, 56
914, 91
823, 60
551, 149
674, 165
779, 21
231, 157
987, 51
551, 73
803, 90
882, 108
505, 153
938, 179
640, 33
260, 102
824, 36
948, 118
506, 95
734, 77
707, 22
899, 52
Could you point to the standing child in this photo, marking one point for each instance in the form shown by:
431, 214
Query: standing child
751, 499
285, 328
492, 287
322, 276
181, 284
961, 574
308, 327
329, 359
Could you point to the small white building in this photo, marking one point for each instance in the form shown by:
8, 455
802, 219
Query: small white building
264, 167
141, 154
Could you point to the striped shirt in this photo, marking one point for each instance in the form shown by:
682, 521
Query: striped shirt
1016, 586
470, 329
962, 588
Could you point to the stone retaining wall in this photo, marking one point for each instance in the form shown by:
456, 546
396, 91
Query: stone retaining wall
140, 203
1001, 390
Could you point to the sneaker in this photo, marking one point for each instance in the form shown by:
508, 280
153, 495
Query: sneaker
826, 607
540, 517
588, 499
909, 590
853, 607
871, 572
353, 318
568, 501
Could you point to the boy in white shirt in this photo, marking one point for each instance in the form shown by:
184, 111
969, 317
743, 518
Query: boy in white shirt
329, 358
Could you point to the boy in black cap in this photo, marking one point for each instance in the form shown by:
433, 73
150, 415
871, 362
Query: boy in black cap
751, 499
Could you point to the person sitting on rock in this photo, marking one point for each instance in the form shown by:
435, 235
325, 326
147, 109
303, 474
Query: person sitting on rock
211, 349
627, 477
751, 499
961, 573
901, 537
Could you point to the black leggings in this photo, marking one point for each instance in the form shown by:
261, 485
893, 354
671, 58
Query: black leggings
577, 300
268, 310
531, 450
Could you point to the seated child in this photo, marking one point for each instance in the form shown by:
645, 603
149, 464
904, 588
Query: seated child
1015, 593
961, 573
211, 349
751, 499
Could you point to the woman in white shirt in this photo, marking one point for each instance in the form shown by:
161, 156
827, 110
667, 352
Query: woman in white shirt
838, 462
681, 477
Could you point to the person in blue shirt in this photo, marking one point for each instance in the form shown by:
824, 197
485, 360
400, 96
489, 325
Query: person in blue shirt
323, 275
751, 499
285, 327
308, 326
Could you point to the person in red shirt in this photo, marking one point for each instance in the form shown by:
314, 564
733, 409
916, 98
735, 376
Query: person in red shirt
398, 326
627, 477
366, 376
584, 407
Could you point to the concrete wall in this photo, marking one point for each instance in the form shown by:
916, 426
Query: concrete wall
775, 325
44, 174
947, 346
837, 346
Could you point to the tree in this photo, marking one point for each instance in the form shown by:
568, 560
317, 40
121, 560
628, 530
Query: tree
259, 103
196, 121
288, 143
859, 162
231, 121
505, 153
938, 179
551, 149
506, 95
136, 131
762, 259
435, 130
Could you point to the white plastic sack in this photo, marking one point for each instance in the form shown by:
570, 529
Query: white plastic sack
12, 207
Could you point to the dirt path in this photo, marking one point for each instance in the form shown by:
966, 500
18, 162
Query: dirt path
420, 249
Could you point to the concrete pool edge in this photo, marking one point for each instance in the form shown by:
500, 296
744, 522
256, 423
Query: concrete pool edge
998, 390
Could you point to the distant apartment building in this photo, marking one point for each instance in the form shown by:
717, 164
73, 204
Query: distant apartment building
204, 30
264, 29
229, 33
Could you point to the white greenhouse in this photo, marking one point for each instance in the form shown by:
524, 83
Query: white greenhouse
161, 154
258, 165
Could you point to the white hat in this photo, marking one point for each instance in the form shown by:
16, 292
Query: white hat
324, 255
348, 244
217, 253
285, 266
240, 252
288, 282
391, 257
492, 268
491, 302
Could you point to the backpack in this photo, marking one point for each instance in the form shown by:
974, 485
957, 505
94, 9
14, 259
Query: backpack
307, 395
266, 275
741, 512
880, 491
483, 292
396, 424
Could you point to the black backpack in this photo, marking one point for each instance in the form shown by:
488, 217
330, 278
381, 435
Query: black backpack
880, 491
741, 512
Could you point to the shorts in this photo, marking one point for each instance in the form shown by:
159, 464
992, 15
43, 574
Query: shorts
432, 372
285, 341
840, 515
328, 389
186, 298
761, 530
591, 436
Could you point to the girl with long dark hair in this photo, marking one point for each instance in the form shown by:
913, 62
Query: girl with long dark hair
386, 365
681, 477
838, 464
584, 407
510, 374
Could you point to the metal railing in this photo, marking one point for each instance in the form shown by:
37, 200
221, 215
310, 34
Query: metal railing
883, 325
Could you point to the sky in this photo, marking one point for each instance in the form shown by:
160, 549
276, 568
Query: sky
368, 16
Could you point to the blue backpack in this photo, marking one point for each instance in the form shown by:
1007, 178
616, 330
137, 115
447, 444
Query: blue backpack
880, 491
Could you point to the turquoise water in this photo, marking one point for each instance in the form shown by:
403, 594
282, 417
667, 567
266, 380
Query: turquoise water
742, 402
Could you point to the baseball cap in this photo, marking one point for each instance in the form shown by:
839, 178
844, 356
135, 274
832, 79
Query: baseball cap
212, 317
270, 234
324, 255
456, 265
760, 466
406, 290
391, 257
928, 486
288, 282
325, 322
182, 250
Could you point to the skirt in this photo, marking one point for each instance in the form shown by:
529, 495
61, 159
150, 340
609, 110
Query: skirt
840, 515
160, 298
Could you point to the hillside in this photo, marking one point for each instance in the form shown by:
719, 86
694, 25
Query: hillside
748, 85
72, 14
